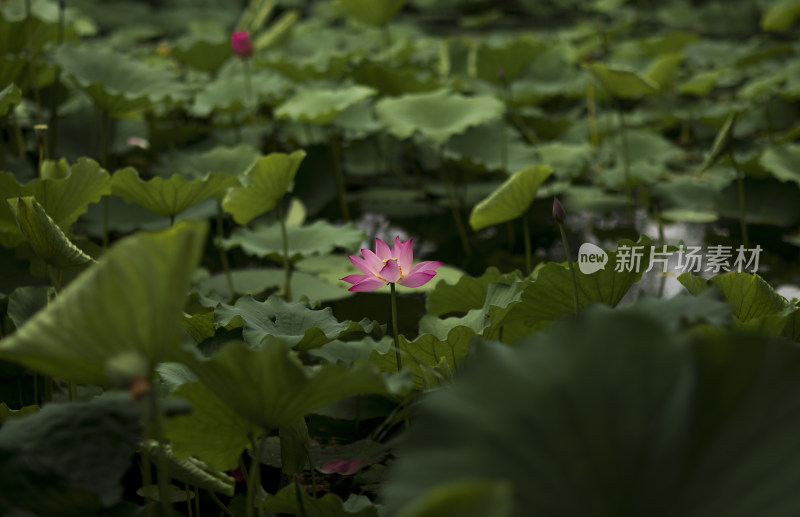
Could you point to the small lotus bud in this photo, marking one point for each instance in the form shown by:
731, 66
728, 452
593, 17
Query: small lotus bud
558, 211
41, 134
241, 44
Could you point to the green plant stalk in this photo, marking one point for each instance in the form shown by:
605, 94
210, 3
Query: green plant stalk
571, 267
299, 497
19, 137
626, 163
742, 214
196, 500
394, 329
338, 175
224, 509
104, 154
594, 136
254, 480
462, 230
503, 136
287, 293
188, 500
223, 256
662, 241
31, 60
156, 429
526, 234
248, 86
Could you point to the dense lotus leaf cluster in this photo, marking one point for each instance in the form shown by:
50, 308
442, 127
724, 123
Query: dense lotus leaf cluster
186, 321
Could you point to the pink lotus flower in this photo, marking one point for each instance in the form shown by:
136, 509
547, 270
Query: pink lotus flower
387, 266
241, 44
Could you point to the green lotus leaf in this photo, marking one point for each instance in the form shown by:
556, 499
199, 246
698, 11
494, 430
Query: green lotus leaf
292, 500
436, 115
663, 69
68, 459
227, 92
213, 432
203, 51
230, 160
756, 305
466, 294
64, 192
293, 323
392, 79
6, 412
649, 156
191, 470
321, 106
708, 396
468, 498
511, 199
45, 237
117, 83
136, 292
621, 81
19, 34
270, 387
26, 301
371, 12
780, 16
783, 162
511, 55
721, 143
266, 183
169, 197
318, 238
483, 146
12, 71
701, 83
10, 96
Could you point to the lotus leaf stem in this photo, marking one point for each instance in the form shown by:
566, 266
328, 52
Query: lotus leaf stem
287, 293
571, 267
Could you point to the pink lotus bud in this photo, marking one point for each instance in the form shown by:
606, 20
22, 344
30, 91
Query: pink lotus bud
558, 211
241, 44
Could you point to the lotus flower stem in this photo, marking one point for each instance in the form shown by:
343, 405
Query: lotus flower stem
248, 86
394, 329
626, 163
592, 111
224, 509
254, 480
287, 294
526, 234
338, 174
742, 213
223, 256
31, 61
571, 267
18, 134
462, 230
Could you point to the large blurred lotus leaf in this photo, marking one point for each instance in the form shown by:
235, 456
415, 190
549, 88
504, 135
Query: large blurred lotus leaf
68, 459
293, 500
783, 162
767, 202
10, 96
230, 160
45, 237
203, 51
621, 81
169, 197
11, 71
756, 305
321, 106
227, 93
117, 83
573, 411
468, 498
213, 432
64, 192
436, 115
318, 238
270, 178
131, 300
26, 301
649, 154
372, 12
511, 199
551, 73
192, 471
392, 80
654, 46
511, 56
780, 16
293, 323
254, 281
270, 387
